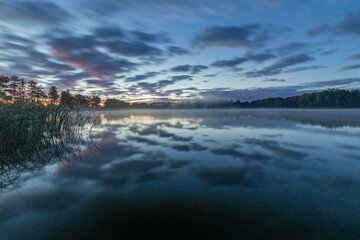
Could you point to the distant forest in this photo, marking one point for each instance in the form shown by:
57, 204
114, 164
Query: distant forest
331, 98
14, 89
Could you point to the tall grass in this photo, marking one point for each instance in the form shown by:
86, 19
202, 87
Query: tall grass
32, 135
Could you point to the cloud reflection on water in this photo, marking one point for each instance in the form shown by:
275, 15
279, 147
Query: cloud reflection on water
195, 170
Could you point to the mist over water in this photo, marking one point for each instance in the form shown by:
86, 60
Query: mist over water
190, 174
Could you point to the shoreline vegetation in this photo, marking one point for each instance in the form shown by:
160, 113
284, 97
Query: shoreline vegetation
34, 131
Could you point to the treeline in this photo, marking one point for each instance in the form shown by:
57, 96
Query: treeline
15, 89
331, 98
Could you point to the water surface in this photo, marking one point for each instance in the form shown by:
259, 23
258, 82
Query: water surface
190, 174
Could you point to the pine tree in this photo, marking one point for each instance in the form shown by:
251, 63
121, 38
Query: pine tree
32, 90
53, 95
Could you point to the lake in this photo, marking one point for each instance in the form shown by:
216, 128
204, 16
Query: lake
198, 174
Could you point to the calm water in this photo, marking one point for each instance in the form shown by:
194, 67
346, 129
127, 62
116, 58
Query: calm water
190, 174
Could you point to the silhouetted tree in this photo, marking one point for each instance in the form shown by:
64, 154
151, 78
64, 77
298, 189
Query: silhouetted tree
66, 99
95, 101
115, 103
53, 95
22, 90
81, 101
32, 90
13, 86
40, 94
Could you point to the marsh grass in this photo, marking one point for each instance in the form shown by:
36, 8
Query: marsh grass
33, 136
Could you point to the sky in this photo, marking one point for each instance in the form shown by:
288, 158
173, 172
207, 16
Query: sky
162, 50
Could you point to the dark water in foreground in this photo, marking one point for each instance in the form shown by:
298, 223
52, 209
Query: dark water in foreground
199, 174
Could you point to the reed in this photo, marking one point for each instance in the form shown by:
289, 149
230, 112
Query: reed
33, 135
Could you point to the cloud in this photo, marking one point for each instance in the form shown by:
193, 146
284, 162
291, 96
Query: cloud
354, 57
142, 77
150, 37
110, 33
349, 67
229, 63
58, 67
67, 80
44, 12
259, 57
181, 77
246, 36
299, 69
100, 83
280, 65
154, 87
291, 48
81, 52
249, 57
274, 80
175, 50
348, 26
132, 49
332, 83
313, 32
188, 68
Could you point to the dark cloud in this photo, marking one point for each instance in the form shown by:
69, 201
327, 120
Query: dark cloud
298, 69
188, 68
175, 50
58, 67
17, 39
229, 63
181, 77
154, 88
110, 33
132, 49
259, 57
150, 37
69, 80
280, 65
348, 26
181, 68
142, 77
350, 67
198, 68
291, 48
354, 57
248, 36
44, 12
232, 63
100, 83
274, 80
313, 32
81, 53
